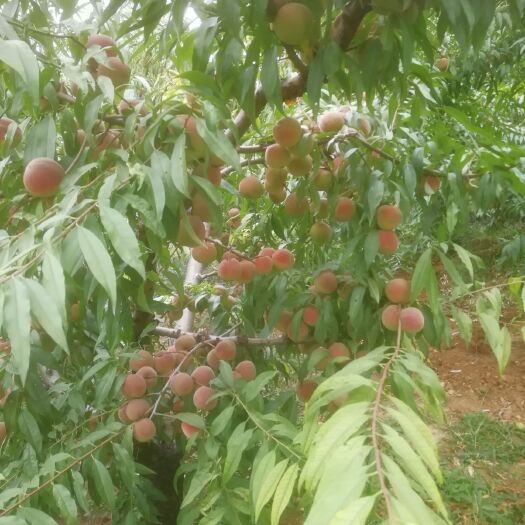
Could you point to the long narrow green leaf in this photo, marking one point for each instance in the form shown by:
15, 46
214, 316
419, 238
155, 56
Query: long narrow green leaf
269, 486
99, 262
122, 238
65, 503
46, 312
355, 513
17, 321
235, 447
18, 55
283, 493
53, 281
103, 483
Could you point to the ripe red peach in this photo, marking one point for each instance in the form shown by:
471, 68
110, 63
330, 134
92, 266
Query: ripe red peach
184, 343
196, 142
212, 359
118, 72
338, 350
205, 254
388, 242
305, 390
296, 206
144, 430
442, 64
388, 217
226, 349
200, 207
3, 432
310, 315
42, 177
283, 259
248, 271
195, 226
202, 375
390, 317
246, 369
285, 318
364, 125
134, 386
229, 270
145, 359
325, 283
331, 122
5, 123
164, 362
344, 209
299, 335
266, 252
201, 399
251, 187
263, 264
277, 196
412, 320
293, 24
432, 182
189, 430
122, 415
287, 132
398, 291
103, 41
137, 409
275, 179
149, 374
181, 384
277, 157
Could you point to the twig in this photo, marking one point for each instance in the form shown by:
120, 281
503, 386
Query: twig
247, 162
60, 473
296, 61
228, 248
77, 156
375, 435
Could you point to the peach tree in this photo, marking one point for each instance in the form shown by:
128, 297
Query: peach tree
229, 240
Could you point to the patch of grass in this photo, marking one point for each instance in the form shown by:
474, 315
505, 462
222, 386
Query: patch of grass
485, 472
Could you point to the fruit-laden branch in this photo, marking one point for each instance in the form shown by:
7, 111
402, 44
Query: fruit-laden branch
247, 162
228, 249
344, 29
214, 339
375, 433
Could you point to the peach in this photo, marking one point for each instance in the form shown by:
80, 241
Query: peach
3, 432
323, 179
42, 177
300, 166
388, 242
331, 122
144, 430
189, 430
234, 215
229, 270
442, 64
195, 227
398, 291
107, 140
201, 399
200, 207
322, 210
251, 187
134, 386
338, 350
337, 163
310, 315
411, 320
277, 157
122, 414
185, 343
268, 252
321, 232
137, 409
202, 375
148, 373
364, 125
325, 283
246, 370
287, 132
145, 359
275, 179
299, 335
118, 72
181, 384
127, 106
212, 359
283, 259
178, 405
248, 271
305, 389
196, 142
103, 41
205, 254
390, 317
432, 182
344, 209
226, 350
285, 318
277, 196
388, 217
294, 24
164, 362
263, 264
5, 123
296, 206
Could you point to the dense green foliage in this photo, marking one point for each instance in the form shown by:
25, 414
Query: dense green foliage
429, 96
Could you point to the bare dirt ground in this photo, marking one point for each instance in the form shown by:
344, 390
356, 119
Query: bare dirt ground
472, 381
